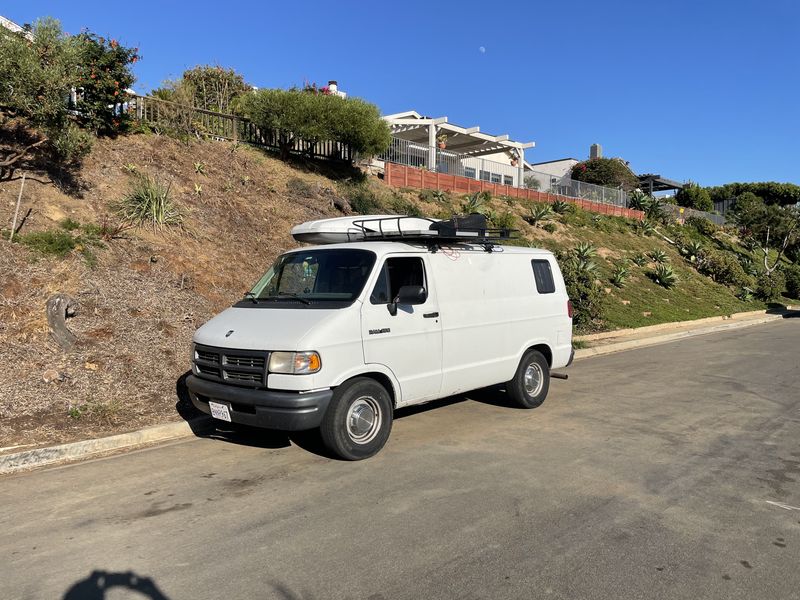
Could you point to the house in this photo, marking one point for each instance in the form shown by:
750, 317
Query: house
11, 26
549, 173
435, 144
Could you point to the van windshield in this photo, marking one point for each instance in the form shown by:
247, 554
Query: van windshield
315, 278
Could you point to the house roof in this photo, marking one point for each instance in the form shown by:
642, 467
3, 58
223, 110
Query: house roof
657, 183
547, 162
414, 127
11, 26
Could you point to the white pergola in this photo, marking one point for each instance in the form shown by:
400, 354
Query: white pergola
467, 141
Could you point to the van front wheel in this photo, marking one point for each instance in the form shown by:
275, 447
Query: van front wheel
358, 420
531, 382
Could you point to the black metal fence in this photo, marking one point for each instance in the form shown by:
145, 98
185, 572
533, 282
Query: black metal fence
182, 119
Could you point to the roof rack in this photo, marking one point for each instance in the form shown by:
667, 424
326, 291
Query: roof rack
462, 229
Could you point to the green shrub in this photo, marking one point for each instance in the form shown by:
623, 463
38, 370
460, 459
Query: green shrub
584, 251
588, 298
769, 287
605, 171
620, 275
49, 243
692, 250
703, 225
401, 206
475, 203
362, 199
792, 275
694, 196
639, 259
722, 267
658, 256
505, 220
550, 227
69, 224
539, 213
561, 207
351, 121
663, 276
149, 202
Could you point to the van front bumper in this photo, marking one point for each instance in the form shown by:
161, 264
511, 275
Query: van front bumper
270, 409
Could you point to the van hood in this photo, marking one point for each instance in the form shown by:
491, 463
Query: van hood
262, 328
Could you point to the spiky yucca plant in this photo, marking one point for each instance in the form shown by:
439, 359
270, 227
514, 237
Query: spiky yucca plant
585, 250
149, 202
664, 276
561, 207
620, 275
538, 214
658, 256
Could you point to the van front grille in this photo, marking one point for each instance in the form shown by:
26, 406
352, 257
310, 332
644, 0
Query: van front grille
237, 367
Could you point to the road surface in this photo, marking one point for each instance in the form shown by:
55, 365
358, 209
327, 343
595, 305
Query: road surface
665, 472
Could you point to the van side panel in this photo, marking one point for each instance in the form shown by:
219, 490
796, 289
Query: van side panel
491, 312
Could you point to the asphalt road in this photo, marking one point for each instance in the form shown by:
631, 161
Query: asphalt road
666, 472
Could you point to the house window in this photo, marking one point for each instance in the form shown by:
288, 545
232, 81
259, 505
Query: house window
485, 175
495, 178
469, 172
543, 277
508, 180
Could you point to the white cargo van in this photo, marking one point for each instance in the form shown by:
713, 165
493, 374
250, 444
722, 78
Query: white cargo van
384, 312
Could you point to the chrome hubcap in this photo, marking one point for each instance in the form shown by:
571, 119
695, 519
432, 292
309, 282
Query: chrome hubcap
533, 379
364, 420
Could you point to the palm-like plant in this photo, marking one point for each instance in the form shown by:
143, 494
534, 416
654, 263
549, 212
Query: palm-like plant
658, 256
620, 275
561, 207
585, 251
664, 276
692, 250
639, 259
538, 214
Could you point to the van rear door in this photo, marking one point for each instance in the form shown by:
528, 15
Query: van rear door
409, 343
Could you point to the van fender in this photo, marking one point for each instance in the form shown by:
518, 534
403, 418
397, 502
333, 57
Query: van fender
547, 350
368, 369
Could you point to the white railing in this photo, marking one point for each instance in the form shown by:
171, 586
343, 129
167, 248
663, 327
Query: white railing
440, 160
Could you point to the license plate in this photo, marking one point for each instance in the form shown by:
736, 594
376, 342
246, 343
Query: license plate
220, 411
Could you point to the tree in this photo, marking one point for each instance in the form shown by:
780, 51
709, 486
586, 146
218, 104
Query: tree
35, 78
769, 191
104, 76
769, 226
214, 88
606, 171
294, 114
694, 196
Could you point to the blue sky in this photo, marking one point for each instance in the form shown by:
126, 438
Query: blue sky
700, 90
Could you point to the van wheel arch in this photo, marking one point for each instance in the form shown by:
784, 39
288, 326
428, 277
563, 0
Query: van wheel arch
381, 378
544, 350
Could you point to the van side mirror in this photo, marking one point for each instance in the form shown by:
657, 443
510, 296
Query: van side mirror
408, 294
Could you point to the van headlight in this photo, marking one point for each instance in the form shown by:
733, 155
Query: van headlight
294, 363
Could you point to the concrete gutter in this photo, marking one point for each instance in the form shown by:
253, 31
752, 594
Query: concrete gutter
612, 341
40, 457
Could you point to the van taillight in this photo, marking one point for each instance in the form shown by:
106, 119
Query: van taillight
569, 308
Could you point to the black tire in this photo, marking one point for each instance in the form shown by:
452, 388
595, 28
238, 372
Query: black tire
358, 420
531, 382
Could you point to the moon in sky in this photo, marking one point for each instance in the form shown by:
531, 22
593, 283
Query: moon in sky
482, 50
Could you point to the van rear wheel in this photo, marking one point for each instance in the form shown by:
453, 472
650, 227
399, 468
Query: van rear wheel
531, 382
358, 420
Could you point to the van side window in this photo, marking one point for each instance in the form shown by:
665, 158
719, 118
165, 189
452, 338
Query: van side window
395, 273
543, 276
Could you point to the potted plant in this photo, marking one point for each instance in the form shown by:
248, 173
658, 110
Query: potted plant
441, 140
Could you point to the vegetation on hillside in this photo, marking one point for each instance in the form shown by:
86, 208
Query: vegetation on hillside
611, 172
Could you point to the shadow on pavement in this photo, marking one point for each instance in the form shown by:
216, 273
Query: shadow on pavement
780, 309
94, 587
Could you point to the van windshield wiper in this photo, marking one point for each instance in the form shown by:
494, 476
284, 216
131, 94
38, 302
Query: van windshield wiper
291, 295
252, 297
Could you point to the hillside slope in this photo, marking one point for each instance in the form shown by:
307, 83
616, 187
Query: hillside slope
143, 294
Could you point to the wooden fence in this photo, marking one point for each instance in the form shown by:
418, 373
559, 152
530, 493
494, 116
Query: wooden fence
188, 120
402, 176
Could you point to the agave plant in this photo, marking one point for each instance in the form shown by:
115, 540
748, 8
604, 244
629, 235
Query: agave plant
439, 195
746, 295
620, 275
664, 276
539, 213
645, 227
585, 265
637, 200
750, 267
692, 251
658, 256
639, 259
475, 203
585, 251
561, 207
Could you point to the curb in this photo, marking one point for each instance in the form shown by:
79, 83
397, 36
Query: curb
729, 324
40, 457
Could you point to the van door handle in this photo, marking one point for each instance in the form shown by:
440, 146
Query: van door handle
432, 315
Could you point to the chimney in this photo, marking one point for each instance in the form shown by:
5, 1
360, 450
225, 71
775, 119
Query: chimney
595, 151
333, 86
